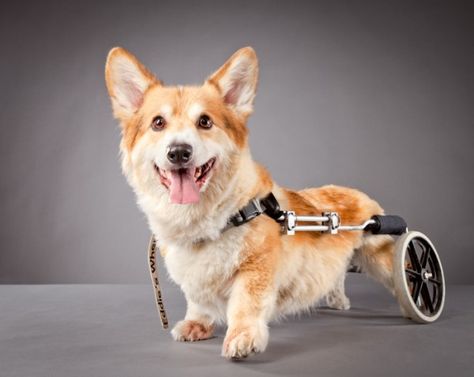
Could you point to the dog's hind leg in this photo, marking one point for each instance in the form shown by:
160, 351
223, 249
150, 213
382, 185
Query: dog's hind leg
375, 258
337, 299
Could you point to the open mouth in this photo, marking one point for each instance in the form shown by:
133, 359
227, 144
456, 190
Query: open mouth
185, 183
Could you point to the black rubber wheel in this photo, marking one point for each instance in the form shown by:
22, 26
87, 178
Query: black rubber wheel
419, 278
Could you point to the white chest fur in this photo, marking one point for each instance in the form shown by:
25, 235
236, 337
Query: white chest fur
204, 273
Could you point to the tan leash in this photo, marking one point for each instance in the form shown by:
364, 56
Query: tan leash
154, 279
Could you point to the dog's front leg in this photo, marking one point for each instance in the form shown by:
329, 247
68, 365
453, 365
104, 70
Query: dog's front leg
249, 308
195, 326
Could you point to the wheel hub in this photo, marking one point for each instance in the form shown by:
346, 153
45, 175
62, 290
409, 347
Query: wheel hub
425, 275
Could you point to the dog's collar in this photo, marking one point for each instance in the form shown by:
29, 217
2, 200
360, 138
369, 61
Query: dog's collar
268, 205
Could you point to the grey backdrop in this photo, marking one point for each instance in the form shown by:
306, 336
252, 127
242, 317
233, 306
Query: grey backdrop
376, 95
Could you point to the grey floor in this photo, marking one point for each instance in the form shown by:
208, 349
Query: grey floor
113, 330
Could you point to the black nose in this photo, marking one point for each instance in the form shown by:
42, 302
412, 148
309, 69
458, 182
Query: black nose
179, 153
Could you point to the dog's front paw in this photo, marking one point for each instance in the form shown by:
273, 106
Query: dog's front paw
241, 342
338, 301
190, 331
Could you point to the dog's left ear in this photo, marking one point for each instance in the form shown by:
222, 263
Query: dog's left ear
237, 80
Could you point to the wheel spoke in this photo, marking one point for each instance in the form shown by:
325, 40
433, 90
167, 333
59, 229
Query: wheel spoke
415, 262
416, 292
435, 278
425, 294
425, 255
413, 273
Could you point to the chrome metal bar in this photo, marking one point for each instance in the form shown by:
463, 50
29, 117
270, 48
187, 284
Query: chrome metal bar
330, 223
356, 227
312, 218
311, 228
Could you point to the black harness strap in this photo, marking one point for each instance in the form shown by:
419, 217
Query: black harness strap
268, 205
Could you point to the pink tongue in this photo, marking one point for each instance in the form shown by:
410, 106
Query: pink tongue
183, 189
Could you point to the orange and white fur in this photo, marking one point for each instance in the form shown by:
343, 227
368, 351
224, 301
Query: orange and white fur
248, 275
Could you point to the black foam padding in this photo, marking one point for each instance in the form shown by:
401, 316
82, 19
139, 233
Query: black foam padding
272, 207
388, 224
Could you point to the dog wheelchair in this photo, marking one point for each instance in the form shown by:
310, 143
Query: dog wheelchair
417, 271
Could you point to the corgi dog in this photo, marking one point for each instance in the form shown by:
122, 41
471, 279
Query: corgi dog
185, 152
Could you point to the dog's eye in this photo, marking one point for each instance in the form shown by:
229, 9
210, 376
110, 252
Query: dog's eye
158, 123
204, 121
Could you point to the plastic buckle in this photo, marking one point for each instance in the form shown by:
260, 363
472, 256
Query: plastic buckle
249, 212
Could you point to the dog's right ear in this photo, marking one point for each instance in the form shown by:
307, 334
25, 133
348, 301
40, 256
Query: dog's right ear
127, 81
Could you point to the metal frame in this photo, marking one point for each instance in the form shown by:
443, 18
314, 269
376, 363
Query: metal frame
328, 222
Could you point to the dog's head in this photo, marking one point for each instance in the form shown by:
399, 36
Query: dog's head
179, 142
